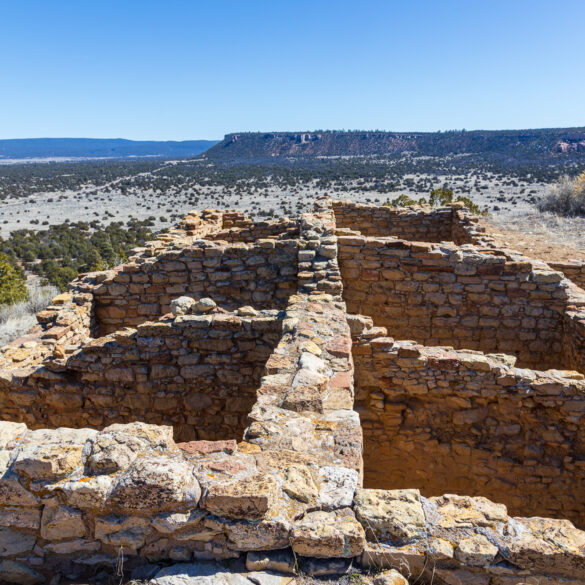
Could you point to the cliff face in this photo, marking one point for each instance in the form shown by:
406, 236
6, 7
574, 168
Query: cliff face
546, 142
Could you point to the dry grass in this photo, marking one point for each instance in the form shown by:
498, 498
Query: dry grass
17, 319
566, 198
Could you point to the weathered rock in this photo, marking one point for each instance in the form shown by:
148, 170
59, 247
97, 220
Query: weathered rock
10, 432
62, 522
88, 492
465, 511
21, 517
156, 483
337, 487
182, 306
204, 305
282, 561
264, 535
391, 577
249, 498
547, 546
328, 534
51, 454
19, 573
170, 522
14, 543
394, 515
476, 551
298, 484
126, 531
198, 574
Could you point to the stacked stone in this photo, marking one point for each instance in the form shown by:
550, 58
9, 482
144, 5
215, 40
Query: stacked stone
466, 228
262, 274
438, 419
417, 223
460, 296
70, 499
198, 373
282, 229
317, 256
62, 327
459, 539
574, 270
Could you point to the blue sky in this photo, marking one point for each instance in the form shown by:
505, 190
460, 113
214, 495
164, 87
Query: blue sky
189, 69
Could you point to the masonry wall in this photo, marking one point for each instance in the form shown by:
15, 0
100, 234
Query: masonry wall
462, 297
469, 423
262, 274
197, 373
423, 224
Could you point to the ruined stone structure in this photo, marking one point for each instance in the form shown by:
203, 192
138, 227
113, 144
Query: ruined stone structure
305, 391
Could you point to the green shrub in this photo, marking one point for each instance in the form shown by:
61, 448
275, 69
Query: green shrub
12, 282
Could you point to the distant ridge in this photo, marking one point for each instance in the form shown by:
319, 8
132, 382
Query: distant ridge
24, 148
536, 143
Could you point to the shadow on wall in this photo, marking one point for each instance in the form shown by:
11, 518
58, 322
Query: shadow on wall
468, 423
197, 373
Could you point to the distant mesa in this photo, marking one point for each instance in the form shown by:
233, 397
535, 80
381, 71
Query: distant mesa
511, 143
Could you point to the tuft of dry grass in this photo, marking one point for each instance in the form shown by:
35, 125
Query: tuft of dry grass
17, 319
567, 197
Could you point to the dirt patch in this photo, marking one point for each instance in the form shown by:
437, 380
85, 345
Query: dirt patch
537, 238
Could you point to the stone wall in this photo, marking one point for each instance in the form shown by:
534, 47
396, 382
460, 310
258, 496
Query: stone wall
262, 274
73, 501
461, 296
198, 373
424, 224
573, 270
441, 420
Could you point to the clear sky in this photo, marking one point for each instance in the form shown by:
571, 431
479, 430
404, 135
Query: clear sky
190, 69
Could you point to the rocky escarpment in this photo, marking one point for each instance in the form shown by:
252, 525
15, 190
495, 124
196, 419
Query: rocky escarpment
544, 144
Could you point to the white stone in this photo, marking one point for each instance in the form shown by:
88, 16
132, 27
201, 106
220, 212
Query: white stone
337, 487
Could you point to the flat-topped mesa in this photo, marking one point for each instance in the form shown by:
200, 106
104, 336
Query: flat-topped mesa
197, 403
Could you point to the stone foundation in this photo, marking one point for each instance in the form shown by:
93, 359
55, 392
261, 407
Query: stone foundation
257, 449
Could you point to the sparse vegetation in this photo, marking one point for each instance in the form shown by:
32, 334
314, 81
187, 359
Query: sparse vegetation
61, 252
19, 317
12, 282
567, 197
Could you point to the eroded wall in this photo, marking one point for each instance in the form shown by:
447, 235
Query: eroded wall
423, 224
463, 297
262, 274
196, 373
458, 422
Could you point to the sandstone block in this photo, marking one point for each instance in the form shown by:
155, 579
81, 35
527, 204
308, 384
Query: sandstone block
250, 498
394, 515
156, 483
51, 454
19, 573
62, 522
328, 534
476, 551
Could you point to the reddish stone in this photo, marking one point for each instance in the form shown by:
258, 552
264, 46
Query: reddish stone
370, 275
339, 347
409, 351
315, 307
341, 380
227, 466
205, 447
277, 362
445, 361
